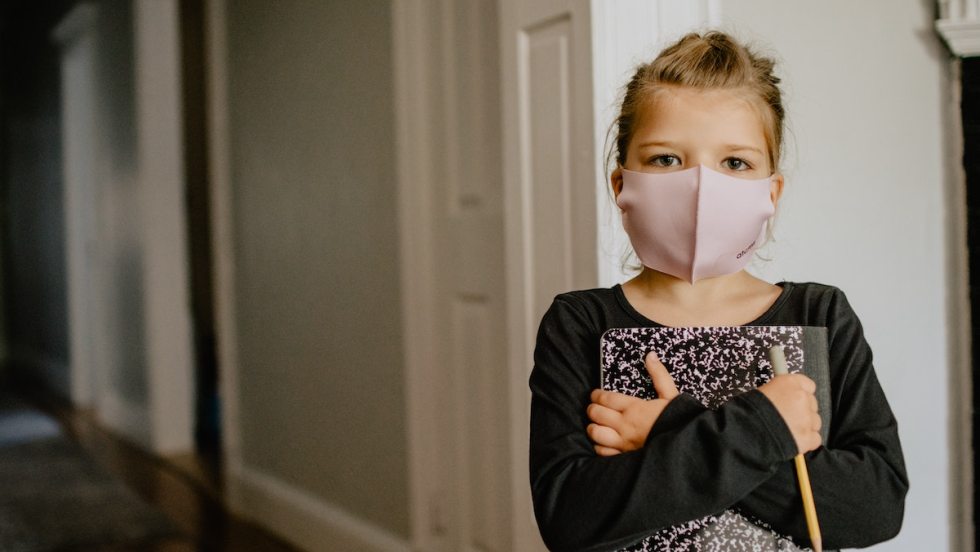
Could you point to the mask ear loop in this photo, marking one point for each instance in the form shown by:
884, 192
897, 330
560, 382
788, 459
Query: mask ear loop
768, 233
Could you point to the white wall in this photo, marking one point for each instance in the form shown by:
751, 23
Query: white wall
865, 86
865, 209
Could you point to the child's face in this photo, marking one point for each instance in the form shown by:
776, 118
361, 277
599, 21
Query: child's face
685, 127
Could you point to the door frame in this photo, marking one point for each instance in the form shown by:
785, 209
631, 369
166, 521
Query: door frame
75, 35
163, 423
415, 38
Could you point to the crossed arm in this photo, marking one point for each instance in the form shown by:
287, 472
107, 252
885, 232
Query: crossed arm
621, 422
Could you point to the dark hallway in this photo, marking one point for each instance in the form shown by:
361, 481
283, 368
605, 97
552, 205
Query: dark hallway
100, 492
71, 481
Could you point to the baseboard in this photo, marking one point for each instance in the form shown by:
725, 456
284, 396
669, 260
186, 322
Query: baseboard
125, 418
305, 520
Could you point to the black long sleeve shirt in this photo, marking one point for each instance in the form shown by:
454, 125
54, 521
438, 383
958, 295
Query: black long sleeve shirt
697, 461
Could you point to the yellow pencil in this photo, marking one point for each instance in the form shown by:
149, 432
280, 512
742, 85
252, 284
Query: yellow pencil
778, 359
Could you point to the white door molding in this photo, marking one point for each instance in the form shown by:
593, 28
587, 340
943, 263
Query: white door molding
160, 161
76, 37
959, 25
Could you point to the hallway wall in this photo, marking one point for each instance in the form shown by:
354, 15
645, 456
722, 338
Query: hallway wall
32, 226
317, 305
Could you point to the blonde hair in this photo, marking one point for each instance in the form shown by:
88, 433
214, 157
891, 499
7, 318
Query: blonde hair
711, 61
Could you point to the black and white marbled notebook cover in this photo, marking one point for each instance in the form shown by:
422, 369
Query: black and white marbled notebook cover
714, 364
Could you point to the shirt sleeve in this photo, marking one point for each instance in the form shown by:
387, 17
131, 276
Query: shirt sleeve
858, 477
697, 462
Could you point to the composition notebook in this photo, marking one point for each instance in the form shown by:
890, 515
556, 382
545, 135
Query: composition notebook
715, 364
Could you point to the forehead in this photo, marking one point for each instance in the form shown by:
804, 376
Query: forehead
699, 117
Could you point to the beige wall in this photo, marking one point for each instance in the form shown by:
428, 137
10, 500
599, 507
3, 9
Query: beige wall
320, 377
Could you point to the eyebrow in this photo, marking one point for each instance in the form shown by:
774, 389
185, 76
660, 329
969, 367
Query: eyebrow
727, 147
736, 147
655, 143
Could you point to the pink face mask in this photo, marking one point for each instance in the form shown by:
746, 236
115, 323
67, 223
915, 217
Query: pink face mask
695, 223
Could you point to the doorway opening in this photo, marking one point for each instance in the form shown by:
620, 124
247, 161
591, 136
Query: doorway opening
207, 408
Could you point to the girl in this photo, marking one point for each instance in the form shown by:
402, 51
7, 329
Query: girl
610, 471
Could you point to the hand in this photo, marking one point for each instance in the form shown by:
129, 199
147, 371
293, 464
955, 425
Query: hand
794, 398
622, 422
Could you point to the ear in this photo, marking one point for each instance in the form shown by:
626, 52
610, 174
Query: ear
616, 180
776, 188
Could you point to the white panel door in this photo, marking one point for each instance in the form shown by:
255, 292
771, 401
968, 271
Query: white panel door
453, 273
549, 155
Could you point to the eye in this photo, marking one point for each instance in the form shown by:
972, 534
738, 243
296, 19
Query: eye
663, 160
737, 164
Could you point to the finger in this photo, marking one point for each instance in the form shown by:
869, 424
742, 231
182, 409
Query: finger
807, 384
612, 399
606, 436
663, 384
603, 415
606, 451
814, 405
814, 442
808, 441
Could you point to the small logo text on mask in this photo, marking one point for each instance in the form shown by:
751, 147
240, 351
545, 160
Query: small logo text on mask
746, 250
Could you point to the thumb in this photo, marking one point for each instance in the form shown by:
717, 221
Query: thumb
663, 384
